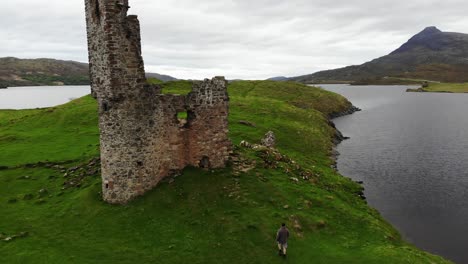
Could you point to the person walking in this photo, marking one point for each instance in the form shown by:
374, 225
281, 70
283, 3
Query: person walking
282, 238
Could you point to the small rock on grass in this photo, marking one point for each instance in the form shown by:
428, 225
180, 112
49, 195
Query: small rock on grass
11, 238
269, 140
294, 179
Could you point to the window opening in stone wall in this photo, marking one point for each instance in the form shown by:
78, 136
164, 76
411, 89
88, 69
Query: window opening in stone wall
182, 118
182, 115
105, 107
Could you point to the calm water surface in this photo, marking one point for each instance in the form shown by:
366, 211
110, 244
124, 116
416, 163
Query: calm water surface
411, 151
37, 97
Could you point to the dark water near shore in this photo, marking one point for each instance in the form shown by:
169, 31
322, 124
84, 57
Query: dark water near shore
42, 96
411, 151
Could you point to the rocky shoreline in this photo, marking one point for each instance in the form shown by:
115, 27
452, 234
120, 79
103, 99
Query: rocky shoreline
338, 138
352, 109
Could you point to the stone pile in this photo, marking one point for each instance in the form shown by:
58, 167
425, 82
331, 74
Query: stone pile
75, 176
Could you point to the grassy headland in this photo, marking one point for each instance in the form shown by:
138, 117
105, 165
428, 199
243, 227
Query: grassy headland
51, 209
443, 88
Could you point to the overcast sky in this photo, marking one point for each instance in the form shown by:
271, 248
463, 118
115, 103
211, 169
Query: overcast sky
245, 39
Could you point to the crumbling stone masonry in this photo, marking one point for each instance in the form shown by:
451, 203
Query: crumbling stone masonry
142, 140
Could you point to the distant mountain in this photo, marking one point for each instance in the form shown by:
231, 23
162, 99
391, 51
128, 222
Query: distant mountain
162, 77
429, 55
278, 79
27, 72
36, 72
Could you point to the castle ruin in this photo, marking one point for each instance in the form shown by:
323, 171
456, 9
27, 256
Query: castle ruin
142, 140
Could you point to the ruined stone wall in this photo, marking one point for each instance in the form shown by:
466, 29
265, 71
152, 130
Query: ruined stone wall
208, 106
142, 141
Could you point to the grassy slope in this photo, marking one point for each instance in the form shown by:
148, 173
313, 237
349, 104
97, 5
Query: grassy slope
443, 88
203, 217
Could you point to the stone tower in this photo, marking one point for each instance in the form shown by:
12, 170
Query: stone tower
142, 140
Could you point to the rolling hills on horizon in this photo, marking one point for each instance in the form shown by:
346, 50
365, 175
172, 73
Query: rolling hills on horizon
37, 72
430, 55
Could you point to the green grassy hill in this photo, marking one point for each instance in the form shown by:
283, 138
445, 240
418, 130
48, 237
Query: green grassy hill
51, 211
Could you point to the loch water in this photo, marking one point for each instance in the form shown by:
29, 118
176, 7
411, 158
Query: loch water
411, 150
40, 96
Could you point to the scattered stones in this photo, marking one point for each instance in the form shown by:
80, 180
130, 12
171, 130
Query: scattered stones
73, 169
296, 225
240, 164
58, 167
76, 175
245, 144
269, 140
273, 159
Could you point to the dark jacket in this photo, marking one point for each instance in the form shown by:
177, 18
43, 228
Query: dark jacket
282, 235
